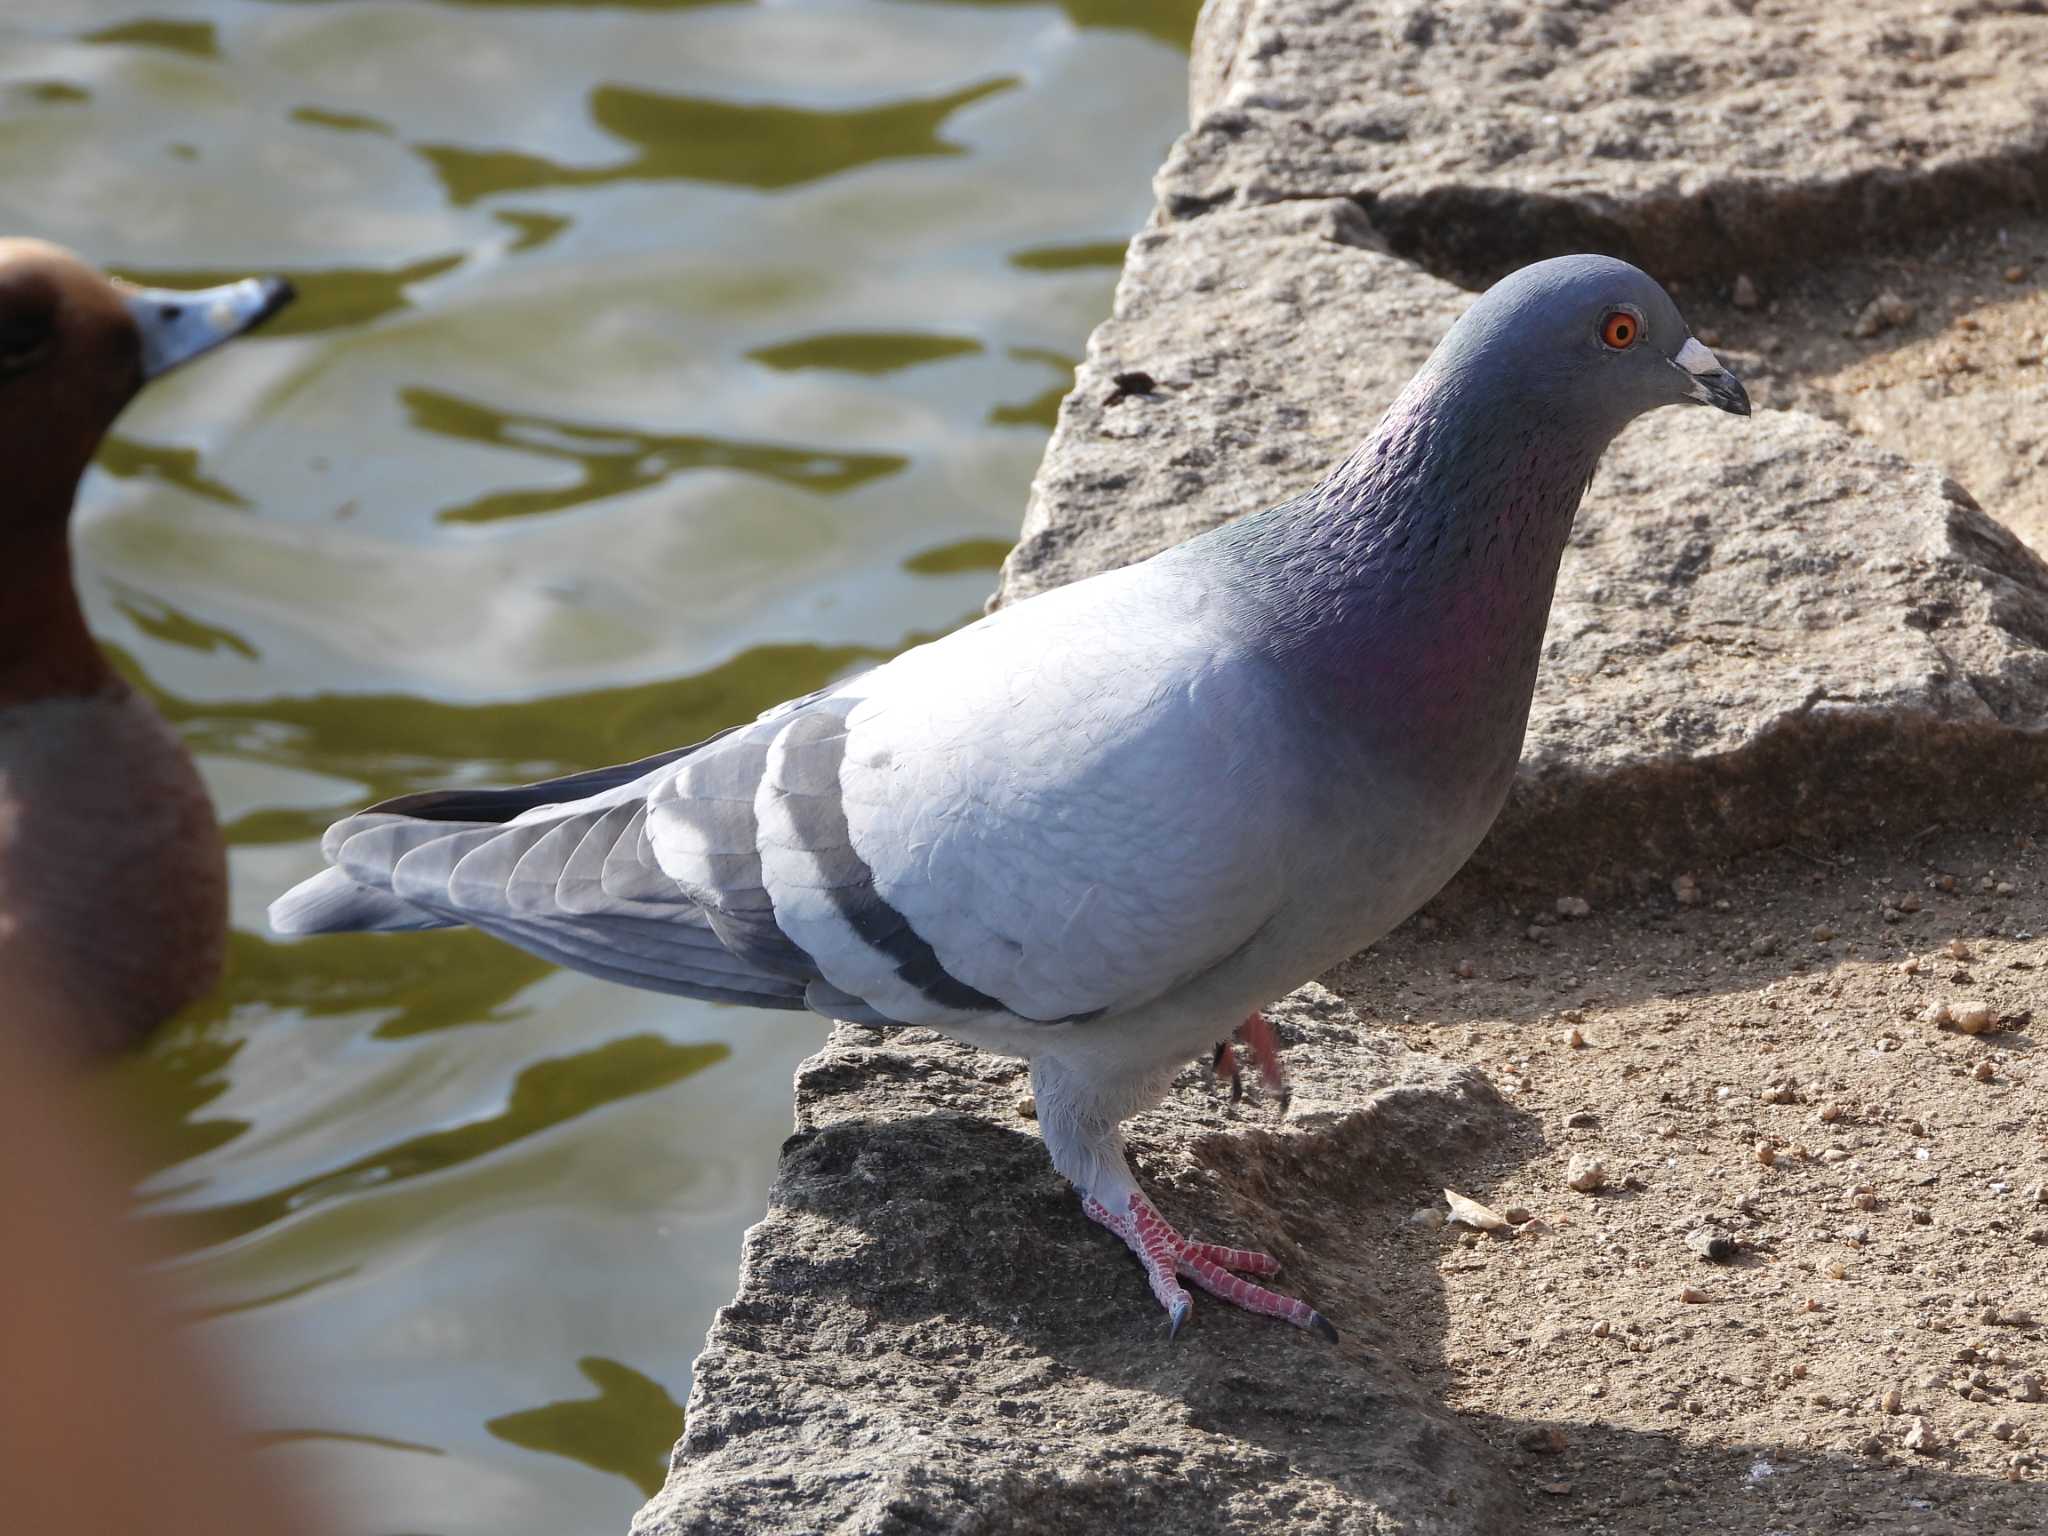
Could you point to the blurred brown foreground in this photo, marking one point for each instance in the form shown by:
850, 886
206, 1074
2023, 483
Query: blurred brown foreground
110, 1420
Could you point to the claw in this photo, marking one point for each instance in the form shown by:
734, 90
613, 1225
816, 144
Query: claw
1179, 1314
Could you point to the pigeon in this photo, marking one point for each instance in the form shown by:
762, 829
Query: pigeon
113, 881
1100, 828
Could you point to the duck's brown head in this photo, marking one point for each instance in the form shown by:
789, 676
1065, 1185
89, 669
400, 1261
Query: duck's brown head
75, 346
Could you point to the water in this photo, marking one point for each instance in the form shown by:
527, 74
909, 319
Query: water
654, 362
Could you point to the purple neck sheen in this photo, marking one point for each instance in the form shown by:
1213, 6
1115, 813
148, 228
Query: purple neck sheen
1409, 591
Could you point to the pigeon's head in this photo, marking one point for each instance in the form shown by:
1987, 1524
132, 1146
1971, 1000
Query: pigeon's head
1586, 339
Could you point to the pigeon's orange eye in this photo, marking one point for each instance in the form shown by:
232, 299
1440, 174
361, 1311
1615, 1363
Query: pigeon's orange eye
1620, 329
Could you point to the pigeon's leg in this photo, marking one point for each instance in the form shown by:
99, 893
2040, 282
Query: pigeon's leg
1228, 1069
1165, 1254
1087, 1147
1257, 1034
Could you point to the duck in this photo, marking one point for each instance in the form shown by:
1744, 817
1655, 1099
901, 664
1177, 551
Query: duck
113, 875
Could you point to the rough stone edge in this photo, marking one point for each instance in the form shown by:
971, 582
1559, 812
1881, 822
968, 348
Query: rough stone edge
1474, 232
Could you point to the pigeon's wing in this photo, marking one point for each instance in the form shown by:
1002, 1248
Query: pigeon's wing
1065, 809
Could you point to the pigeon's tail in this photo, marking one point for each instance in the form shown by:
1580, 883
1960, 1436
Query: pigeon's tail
331, 902
572, 880
358, 894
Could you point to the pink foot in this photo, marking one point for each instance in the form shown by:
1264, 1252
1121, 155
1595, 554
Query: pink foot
1165, 1254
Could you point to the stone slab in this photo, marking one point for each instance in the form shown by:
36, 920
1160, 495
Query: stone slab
1697, 137
929, 1335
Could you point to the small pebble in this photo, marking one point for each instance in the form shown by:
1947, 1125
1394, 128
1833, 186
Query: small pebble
1910, 902
1027, 1108
2026, 1388
1910, 967
1985, 1072
1602, 1328
1574, 1039
1764, 944
1585, 1174
1519, 1215
1426, 1216
2015, 273
1467, 970
1974, 1018
1709, 1244
1920, 1439
1830, 1113
1882, 314
1892, 1400
1765, 1153
1823, 934
1574, 906
1692, 1295
1686, 891
1938, 1014
1745, 295
1958, 950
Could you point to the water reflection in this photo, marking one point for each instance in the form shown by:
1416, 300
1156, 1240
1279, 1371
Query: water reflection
194, 37
128, 459
869, 352
435, 980
615, 460
1105, 254
964, 555
544, 1095
628, 1428
695, 138
394, 744
1171, 21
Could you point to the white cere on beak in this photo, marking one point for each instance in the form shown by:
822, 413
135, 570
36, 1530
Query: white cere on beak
1696, 359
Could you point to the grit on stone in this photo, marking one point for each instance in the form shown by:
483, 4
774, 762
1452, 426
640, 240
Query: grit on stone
1896, 1242
1936, 348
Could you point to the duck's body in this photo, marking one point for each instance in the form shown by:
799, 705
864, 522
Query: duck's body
113, 881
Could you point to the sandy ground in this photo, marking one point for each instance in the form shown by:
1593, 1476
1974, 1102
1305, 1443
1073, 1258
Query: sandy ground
1937, 350
1872, 1357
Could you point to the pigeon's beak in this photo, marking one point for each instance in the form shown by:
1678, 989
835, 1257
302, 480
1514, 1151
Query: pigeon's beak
1707, 381
177, 325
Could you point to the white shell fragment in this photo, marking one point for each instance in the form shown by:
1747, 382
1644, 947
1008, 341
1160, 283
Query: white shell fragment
1473, 1214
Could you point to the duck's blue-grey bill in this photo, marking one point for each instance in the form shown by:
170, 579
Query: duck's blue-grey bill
178, 326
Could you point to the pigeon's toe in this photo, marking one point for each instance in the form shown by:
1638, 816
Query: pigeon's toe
1166, 1254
